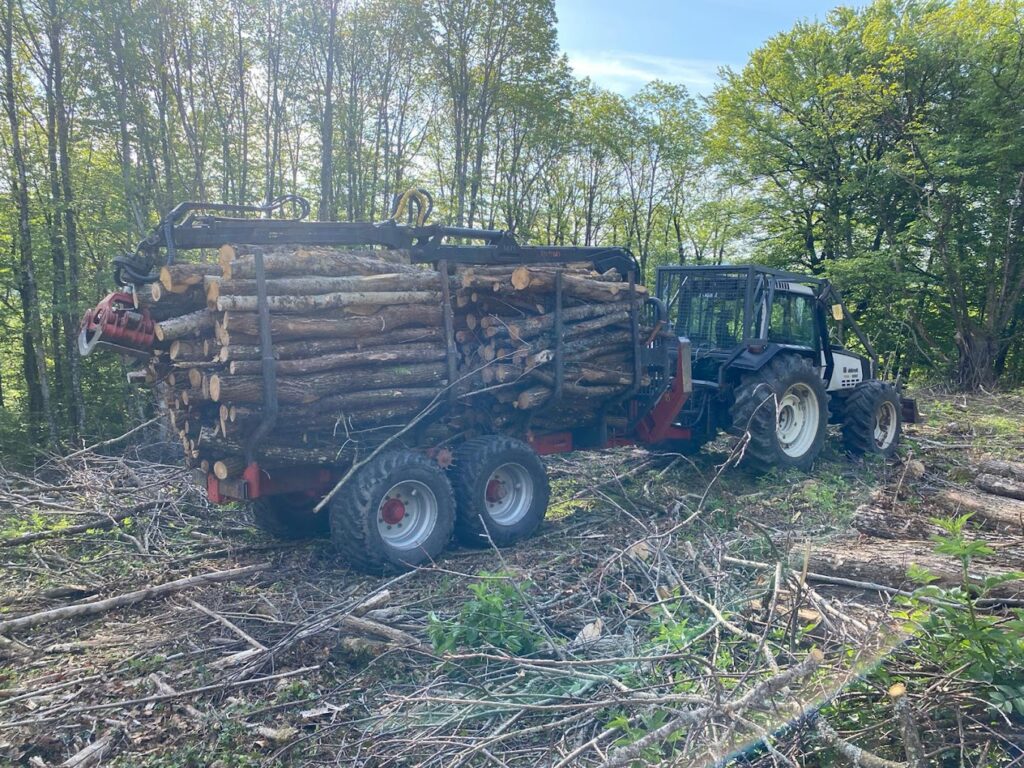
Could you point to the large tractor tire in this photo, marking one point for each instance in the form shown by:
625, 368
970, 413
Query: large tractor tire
872, 419
397, 512
784, 409
290, 516
501, 491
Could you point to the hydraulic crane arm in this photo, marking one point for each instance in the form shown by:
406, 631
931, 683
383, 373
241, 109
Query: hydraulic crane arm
203, 225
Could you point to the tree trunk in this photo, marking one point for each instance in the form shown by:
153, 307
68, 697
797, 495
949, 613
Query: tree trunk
326, 208
77, 401
40, 410
978, 352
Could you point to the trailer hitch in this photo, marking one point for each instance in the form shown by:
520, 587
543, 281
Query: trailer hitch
116, 323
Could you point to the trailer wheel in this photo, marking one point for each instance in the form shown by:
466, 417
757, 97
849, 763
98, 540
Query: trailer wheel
501, 491
872, 419
396, 512
290, 516
784, 409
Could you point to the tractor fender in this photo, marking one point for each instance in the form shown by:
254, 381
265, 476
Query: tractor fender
748, 360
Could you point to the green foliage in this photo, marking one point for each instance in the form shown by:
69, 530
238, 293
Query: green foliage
883, 148
954, 634
493, 618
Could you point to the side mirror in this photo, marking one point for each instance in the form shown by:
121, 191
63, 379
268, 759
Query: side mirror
837, 312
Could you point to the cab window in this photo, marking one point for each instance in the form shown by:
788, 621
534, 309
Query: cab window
792, 320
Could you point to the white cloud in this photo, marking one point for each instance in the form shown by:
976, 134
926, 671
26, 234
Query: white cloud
627, 73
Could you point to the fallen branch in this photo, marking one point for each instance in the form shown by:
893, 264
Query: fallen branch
129, 598
160, 697
56, 533
90, 755
855, 755
113, 440
760, 695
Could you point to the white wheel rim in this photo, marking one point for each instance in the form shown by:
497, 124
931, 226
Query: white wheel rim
407, 515
798, 418
508, 494
885, 425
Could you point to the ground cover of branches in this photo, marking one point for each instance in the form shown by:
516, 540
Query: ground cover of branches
667, 611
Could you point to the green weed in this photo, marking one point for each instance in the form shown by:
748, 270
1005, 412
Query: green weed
493, 617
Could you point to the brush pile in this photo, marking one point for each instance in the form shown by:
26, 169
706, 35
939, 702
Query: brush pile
361, 349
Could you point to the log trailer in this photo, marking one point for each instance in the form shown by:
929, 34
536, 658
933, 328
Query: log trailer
758, 343
400, 507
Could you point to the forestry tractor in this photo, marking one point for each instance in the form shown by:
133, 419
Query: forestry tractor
742, 349
768, 363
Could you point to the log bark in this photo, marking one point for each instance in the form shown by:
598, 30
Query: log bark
419, 280
333, 424
177, 278
887, 562
309, 389
291, 350
1000, 486
188, 350
578, 287
280, 456
163, 304
363, 399
885, 524
305, 262
530, 327
532, 398
288, 327
192, 324
320, 302
232, 466
992, 511
410, 353
1010, 469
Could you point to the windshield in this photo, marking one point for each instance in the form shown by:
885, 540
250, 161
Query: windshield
792, 320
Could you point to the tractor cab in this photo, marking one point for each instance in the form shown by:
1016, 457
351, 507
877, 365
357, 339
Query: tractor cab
752, 329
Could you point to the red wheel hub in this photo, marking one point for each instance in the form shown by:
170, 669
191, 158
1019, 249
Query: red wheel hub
495, 491
392, 511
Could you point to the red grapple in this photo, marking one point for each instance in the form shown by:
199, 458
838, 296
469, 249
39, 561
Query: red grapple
117, 323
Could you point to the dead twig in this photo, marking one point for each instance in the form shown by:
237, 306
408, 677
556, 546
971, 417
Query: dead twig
129, 598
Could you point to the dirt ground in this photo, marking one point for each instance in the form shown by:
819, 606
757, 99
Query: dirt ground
669, 610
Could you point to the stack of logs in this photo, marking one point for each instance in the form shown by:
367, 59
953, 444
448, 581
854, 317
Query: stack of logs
360, 350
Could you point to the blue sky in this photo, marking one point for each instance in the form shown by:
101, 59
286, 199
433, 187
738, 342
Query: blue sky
622, 44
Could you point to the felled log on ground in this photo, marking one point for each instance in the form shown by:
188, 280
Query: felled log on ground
872, 520
1000, 486
1013, 470
888, 563
988, 510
